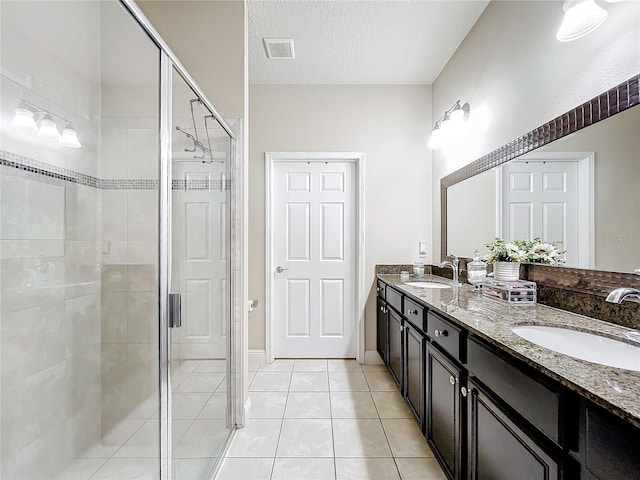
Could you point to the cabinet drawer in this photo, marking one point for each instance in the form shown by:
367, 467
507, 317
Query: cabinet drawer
414, 313
537, 402
394, 298
451, 338
380, 289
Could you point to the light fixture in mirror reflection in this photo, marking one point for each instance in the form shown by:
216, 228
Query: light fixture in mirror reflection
582, 190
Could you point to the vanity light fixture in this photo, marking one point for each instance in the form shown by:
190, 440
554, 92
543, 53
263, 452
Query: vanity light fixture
581, 17
46, 128
70, 137
23, 119
448, 123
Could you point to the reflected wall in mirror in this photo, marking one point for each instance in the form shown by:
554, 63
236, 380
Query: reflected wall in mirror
582, 190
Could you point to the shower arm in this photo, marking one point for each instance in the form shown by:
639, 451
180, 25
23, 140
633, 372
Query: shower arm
196, 144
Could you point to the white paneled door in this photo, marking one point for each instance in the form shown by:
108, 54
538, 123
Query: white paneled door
314, 214
540, 199
200, 247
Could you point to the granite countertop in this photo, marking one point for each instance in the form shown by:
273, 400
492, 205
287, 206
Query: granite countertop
615, 389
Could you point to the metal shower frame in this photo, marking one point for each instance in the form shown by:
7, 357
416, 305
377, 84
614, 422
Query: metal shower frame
168, 63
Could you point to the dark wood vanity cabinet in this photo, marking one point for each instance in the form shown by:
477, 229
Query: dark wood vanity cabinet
609, 449
382, 324
490, 416
498, 448
445, 411
396, 328
414, 348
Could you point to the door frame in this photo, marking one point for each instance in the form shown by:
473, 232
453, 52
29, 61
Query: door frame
586, 198
359, 258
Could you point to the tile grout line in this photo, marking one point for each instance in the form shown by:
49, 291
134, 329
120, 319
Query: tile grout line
286, 402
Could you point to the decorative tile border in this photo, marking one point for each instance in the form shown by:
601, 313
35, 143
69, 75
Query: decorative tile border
200, 185
27, 164
128, 184
20, 162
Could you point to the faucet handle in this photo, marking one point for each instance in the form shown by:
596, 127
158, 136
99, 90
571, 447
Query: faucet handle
455, 259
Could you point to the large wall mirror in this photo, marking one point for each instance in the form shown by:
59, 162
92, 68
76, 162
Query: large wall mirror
582, 189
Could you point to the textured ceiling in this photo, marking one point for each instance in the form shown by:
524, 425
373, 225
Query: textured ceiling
358, 42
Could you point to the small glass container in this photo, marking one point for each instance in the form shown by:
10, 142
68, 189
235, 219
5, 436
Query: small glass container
476, 270
418, 269
404, 275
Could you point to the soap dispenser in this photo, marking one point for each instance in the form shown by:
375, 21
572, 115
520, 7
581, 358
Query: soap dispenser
476, 270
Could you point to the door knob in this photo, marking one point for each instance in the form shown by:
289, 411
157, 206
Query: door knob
279, 269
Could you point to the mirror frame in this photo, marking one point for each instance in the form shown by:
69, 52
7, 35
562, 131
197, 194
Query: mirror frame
593, 282
615, 100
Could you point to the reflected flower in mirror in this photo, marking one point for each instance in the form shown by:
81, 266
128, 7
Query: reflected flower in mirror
532, 251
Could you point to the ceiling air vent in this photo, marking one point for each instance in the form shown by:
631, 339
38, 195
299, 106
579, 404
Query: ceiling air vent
280, 48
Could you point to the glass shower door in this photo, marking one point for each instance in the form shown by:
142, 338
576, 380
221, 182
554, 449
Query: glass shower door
79, 149
200, 274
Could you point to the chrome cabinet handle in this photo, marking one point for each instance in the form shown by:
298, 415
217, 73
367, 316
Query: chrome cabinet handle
412, 312
452, 380
464, 391
439, 333
279, 269
378, 289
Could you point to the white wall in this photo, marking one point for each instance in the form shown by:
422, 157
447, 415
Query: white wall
388, 124
516, 76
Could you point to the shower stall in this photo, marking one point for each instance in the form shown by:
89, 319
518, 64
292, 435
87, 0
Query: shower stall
117, 352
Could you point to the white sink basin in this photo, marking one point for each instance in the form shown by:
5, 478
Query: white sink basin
427, 284
583, 345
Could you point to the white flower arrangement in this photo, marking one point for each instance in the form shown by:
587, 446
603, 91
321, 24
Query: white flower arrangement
534, 251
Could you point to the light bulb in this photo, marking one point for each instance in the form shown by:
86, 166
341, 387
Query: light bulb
48, 129
446, 123
23, 120
437, 138
457, 114
70, 137
581, 17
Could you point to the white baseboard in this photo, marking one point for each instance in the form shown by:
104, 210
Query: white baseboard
257, 356
372, 357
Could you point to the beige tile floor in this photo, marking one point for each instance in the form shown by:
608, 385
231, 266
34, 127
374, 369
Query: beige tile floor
130, 450
327, 420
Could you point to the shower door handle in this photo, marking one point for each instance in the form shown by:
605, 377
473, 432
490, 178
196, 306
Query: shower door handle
175, 310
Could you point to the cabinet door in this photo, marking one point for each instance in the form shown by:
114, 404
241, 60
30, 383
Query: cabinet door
609, 447
395, 345
445, 417
414, 342
383, 331
498, 448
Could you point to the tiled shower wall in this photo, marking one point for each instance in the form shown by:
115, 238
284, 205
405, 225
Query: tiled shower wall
78, 263
50, 288
129, 216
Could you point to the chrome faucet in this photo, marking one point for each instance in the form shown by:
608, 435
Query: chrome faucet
454, 266
622, 293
